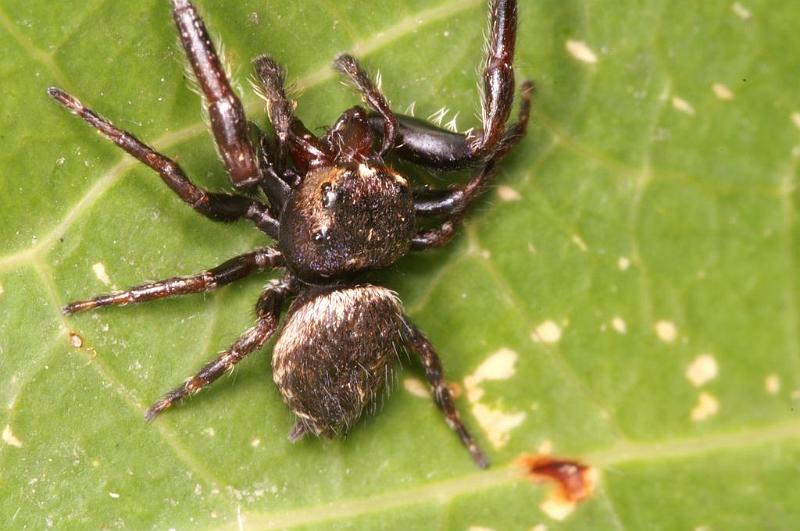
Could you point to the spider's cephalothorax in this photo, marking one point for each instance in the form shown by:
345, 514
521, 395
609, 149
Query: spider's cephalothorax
346, 218
335, 209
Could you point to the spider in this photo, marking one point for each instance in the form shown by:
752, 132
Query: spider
335, 209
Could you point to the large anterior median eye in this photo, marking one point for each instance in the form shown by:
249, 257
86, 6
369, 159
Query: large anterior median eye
328, 195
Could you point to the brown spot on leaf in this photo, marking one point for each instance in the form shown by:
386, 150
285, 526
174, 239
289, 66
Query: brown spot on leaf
75, 340
573, 482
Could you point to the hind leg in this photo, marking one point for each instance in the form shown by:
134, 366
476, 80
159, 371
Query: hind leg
442, 395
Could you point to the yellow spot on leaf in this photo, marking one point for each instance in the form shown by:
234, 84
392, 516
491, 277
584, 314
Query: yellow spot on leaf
682, 105
772, 384
581, 51
666, 331
707, 406
702, 370
416, 388
9, 438
506, 193
722, 92
547, 332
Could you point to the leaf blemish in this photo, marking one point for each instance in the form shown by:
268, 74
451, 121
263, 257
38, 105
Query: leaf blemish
741, 11
623, 263
618, 324
579, 243
682, 105
75, 340
772, 384
100, 272
9, 438
506, 193
581, 51
703, 369
546, 332
722, 92
415, 387
497, 424
573, 482
707, 406
666, 331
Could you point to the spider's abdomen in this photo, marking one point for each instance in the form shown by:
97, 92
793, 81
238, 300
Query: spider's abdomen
345, 219
335, 354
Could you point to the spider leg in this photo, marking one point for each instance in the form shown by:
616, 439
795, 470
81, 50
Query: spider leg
292, 136
268, 311
274, 183
219, 207
230, 271
420, 345
225, 111
348, 65
424, 144
455, 200
453, 203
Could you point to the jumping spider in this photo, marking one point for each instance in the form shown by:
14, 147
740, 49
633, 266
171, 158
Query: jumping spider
336, 210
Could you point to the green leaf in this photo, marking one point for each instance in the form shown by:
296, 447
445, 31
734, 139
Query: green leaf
631, 281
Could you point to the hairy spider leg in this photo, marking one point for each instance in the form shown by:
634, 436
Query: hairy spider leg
348, 65
275, 184
293, 138
268, 309
219, 207
419, 344
230, 271
279, 109
225, 111
453, 202
422, 143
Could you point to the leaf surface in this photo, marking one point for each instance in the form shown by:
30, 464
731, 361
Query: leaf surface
629, 286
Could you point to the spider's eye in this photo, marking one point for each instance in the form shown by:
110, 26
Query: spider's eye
321, 235
328, 195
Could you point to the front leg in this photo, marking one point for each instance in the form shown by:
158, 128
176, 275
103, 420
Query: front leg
293, 138
219, 207
268, 311
348, 65
453, 203
225, 111
422, 143
442, 395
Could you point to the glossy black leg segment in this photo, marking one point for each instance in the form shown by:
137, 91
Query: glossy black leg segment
436, 237
268, 311
454, 201
274, 186
423, 348
219, 207
425, 144
225, 111
348, 65
225, 273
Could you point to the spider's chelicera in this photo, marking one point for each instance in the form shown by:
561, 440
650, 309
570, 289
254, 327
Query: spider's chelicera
336, 209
